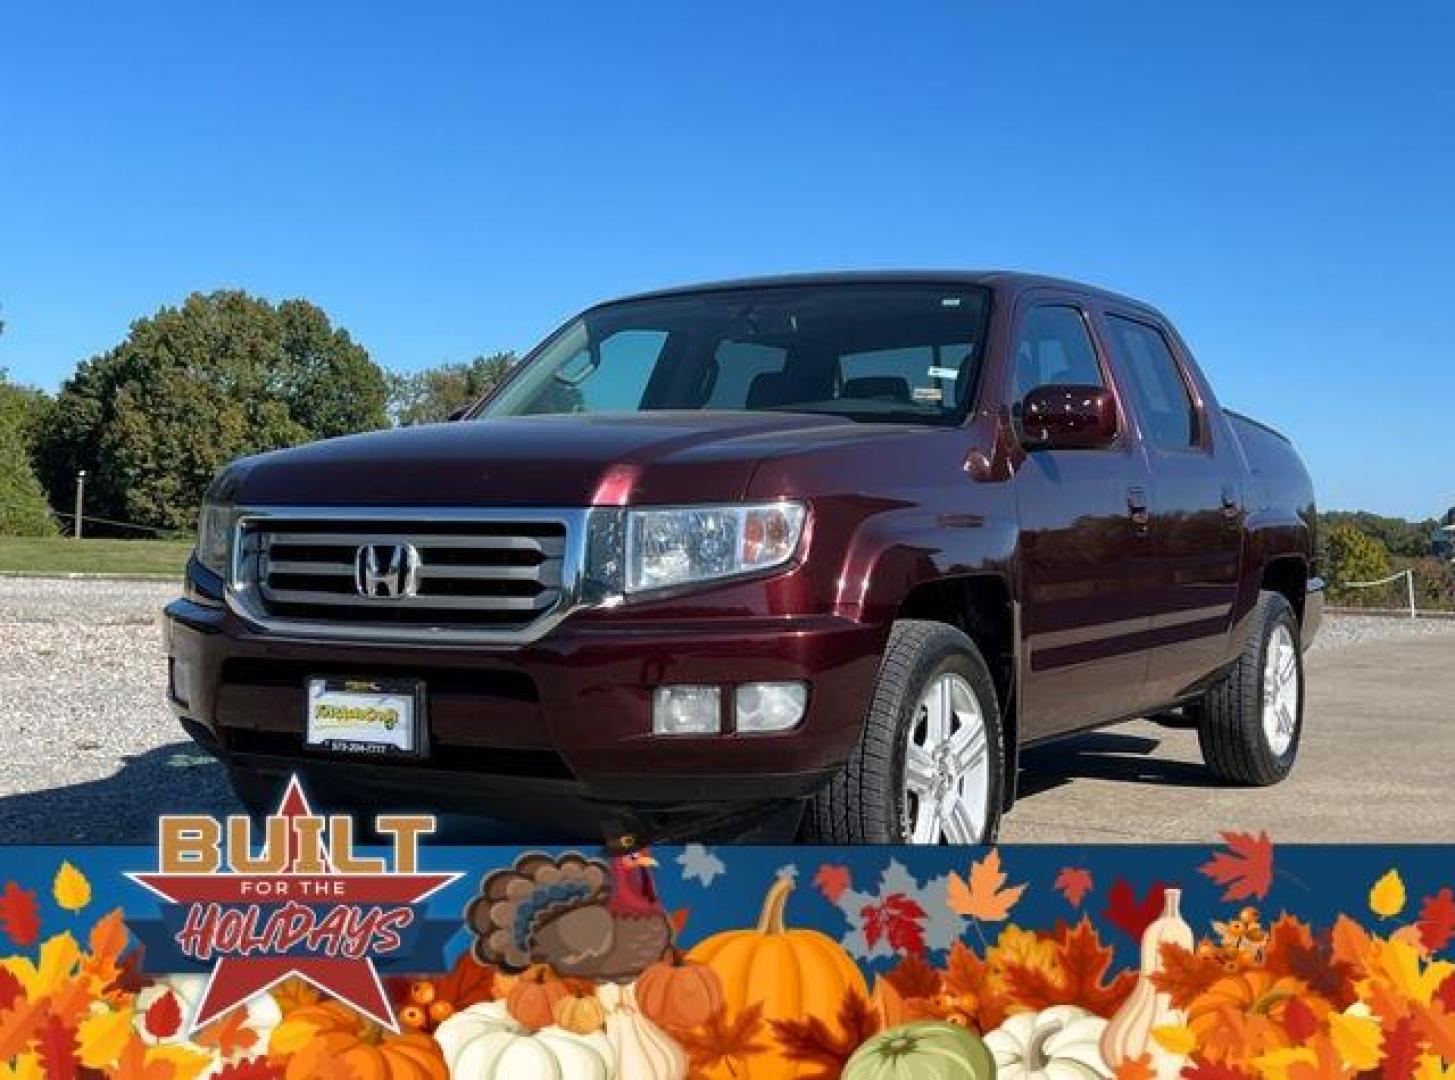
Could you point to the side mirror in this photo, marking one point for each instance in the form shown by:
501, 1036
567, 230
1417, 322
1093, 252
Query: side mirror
1068, 418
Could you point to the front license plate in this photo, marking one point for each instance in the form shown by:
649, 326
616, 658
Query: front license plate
379, 717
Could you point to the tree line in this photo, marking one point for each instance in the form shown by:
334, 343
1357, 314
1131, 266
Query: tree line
192, 387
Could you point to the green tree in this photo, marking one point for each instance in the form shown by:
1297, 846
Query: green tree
1409, 539
1353, 556
191, 388
23, 508
432, 395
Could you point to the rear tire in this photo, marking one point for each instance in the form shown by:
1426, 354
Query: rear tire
1251, 721
931, 757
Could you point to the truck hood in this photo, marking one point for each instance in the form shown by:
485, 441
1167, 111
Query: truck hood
605, 458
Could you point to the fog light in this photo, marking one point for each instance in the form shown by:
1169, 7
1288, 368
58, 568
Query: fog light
770, 706
686, 710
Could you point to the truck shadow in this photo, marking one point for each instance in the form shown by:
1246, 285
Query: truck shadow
1105, 755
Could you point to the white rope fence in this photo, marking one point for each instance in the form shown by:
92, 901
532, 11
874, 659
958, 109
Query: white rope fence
1409, 578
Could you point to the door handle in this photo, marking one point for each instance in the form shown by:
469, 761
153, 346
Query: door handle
1138, 509
1232, 506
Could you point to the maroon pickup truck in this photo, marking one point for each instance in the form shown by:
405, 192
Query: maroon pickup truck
828, 550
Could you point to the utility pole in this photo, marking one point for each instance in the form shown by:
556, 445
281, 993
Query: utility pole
80, 498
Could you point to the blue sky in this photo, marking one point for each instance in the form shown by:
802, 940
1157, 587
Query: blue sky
455, 178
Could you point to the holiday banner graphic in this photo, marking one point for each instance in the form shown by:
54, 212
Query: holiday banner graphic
289, 948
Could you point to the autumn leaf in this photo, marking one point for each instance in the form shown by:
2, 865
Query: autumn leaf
186, 1063
130, 978
899, 920
11, 989
1437, 920
103, 1037
729, 1043
229, 1034
164, 1018
1245, 869
106, 942
1358, 1040
18, 1025
136, 1063
1208, 1070
833, 881
1292, 952
1083, 964
812, 1042
295, 993
1403, 1045
467, 983
1185, 974
1387, 897
1074, 883
913, 977
1130, 915
19, 915
1137, 1068
70, 889
984, 896
55, 1043
1299, 1020
258, 1068
1176, 1039
1438, 1027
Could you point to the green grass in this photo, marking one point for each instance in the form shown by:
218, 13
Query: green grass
160, 558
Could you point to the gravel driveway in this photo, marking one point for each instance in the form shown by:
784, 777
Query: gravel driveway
94, 754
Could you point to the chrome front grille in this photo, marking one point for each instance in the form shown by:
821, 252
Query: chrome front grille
451, 575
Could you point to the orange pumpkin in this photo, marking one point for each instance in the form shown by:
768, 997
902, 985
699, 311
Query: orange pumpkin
675, 993
532, 1000
793, 974
580, 1011
313, 1036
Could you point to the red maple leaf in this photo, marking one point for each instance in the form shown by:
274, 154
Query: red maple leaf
899, 920
257, 1068
1445, 995
1211, 1070
55, 1042
1246, 868
1299, 1020
1127, 913
1074, 883
164, 1018
1403, 1045
11, 990
19, 915
1437, 920
833, 881
913, 977
1082, 980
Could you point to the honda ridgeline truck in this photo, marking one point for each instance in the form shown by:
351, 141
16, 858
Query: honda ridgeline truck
832, 549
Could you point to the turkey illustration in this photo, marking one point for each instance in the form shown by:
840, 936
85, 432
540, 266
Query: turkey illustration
584, 918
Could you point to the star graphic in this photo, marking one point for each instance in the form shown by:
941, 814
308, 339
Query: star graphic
235, 979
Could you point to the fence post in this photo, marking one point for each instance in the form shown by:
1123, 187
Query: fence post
1409, 580
80, 498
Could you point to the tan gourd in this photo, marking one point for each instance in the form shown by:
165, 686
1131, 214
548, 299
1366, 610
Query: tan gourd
643, 1050
1129, 1035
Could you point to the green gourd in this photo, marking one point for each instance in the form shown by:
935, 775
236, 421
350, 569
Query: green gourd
925, 1050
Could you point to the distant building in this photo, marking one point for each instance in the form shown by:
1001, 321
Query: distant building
1442, 545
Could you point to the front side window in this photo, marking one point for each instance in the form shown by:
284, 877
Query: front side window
1157, 385
894, 353
1054, 349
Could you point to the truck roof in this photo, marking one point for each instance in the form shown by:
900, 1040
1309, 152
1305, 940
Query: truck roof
1009, 281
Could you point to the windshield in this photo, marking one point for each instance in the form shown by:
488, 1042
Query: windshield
907, 353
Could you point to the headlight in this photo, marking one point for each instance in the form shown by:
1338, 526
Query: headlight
215, 523
214, 537
665, 548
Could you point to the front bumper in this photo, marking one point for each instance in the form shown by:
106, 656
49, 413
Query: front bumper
556, 733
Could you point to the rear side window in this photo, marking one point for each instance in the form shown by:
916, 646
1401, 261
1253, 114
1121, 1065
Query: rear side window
1157, 385
1054, 349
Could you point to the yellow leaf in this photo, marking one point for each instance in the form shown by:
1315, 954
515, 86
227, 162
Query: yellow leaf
103, 1036
1432, 1068
1275, 1064
1358, 1040
58, 959
1399, 964
1176, 1039
983, 897
186, 1064
71, 889
25, 1067
1387, 897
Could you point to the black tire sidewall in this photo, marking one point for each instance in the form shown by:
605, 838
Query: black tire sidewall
950, 652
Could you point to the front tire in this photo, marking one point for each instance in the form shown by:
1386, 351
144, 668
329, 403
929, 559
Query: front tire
1251, 721
930, 764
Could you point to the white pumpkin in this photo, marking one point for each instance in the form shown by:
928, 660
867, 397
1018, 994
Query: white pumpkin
484, 1042
1060, 1043
643, 1050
